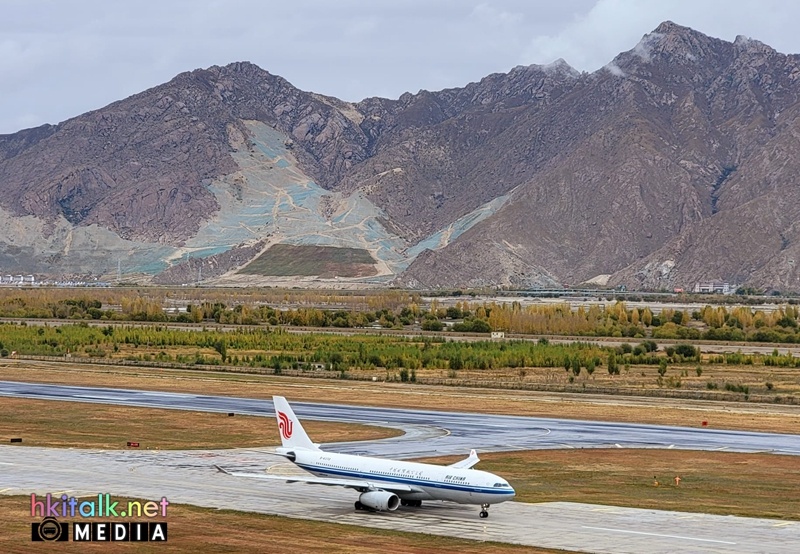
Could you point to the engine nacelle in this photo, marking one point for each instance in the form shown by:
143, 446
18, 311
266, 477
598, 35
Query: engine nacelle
380, 500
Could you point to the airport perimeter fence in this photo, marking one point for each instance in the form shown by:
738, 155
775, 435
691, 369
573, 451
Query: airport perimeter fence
580, 388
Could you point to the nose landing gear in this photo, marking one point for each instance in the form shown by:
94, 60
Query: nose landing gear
484, 511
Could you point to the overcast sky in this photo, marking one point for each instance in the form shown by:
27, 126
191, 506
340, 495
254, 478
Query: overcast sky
60, 58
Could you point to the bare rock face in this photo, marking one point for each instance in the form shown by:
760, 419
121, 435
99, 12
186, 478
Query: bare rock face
195, 270
676, 162
438, 156
504, 265
140, 166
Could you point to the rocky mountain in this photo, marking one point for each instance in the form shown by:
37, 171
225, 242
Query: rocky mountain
673, 164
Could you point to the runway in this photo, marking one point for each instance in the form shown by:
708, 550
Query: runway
189, 476
437, 432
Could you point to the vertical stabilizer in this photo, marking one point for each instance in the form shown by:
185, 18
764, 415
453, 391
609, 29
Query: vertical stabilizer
290, 429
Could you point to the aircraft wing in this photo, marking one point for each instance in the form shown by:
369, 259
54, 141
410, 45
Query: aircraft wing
360, 484
467, 463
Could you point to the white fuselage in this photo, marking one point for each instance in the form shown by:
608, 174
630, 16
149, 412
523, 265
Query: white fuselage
427, 481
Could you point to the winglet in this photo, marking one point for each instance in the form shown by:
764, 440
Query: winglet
291, 430
467, 463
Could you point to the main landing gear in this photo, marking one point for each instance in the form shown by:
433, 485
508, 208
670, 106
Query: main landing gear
484, 511
359, 505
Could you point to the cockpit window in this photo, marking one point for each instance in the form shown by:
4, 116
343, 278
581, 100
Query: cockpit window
501, 485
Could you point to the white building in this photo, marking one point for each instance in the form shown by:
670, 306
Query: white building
713, 287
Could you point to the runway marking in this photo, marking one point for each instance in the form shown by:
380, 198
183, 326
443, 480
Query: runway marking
784, 524
670, 446
6, 464
617, 445
566, 445
657, 535
4, 490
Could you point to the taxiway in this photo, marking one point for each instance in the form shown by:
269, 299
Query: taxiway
189, 476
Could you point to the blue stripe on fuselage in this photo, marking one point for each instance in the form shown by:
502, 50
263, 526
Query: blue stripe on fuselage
406, 481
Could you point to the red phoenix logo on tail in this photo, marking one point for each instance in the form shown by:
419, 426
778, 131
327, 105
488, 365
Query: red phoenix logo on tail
285, 425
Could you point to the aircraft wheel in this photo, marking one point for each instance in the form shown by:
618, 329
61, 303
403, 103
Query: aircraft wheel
359, 505
484, 514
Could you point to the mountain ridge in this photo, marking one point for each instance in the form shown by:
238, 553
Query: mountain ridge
644, 170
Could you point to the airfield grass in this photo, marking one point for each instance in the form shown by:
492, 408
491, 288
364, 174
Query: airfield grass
755, 485
748, 416
194, 529
725, 483
88, 425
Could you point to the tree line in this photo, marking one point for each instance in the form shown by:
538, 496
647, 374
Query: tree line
398, 310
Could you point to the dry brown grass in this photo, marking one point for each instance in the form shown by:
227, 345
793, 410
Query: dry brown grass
722, 415
727, 483
784, 380
755, 485
85, 425
193, 529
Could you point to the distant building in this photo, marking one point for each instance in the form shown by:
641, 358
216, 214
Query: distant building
498, 335
713, 287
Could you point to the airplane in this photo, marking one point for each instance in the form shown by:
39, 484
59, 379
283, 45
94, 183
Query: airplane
384, 484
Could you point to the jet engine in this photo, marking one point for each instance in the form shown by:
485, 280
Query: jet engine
380, 500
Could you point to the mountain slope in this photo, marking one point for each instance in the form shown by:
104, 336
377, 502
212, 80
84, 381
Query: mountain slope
674, 163
679, 142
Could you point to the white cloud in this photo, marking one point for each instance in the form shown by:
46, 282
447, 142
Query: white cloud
595, 37
614, 69
484, 13
60, 59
